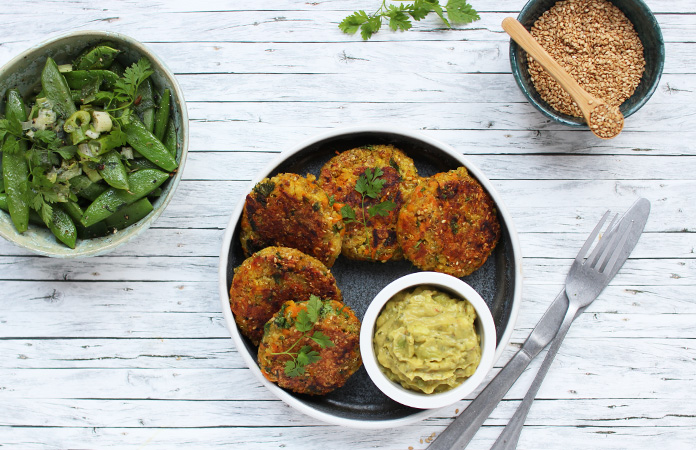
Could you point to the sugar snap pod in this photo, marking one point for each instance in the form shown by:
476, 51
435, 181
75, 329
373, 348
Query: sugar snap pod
112, 200
14, 166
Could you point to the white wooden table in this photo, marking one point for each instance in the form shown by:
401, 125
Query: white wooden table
130, 349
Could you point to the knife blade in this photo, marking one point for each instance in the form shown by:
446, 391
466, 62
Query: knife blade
460, 432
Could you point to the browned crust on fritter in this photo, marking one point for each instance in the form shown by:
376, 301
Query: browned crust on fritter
269, 278
291, 211
338, 178
449, 224
337, 363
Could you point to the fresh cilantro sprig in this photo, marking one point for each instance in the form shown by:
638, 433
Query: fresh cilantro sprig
399, 17
370, 185
126, 87
304, 323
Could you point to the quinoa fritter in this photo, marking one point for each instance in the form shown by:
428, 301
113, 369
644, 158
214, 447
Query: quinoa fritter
449, 224
291, 211
337, 362
377, 241
270, 277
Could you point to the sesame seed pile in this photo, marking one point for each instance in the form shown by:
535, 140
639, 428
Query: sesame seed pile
596, 44
606, 121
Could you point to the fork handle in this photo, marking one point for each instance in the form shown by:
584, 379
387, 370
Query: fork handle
511, 433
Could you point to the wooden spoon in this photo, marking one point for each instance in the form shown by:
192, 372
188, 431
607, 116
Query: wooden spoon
604, 121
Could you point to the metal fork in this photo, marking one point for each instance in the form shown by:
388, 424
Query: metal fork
585, 280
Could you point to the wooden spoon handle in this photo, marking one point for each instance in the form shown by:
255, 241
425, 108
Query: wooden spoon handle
525, 40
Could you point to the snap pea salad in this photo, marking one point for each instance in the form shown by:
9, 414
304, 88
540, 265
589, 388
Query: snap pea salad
86, 155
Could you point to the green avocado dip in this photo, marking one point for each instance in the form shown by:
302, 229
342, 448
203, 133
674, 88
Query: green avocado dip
426, 340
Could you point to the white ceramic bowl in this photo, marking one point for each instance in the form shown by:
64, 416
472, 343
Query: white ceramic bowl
24, 71
484, 326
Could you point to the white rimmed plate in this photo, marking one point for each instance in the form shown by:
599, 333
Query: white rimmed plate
360, 403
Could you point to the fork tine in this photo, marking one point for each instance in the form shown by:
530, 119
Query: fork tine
604, 241
588, 243
604, 251
616, 251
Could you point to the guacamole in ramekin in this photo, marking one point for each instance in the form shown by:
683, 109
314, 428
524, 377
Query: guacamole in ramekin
426, 340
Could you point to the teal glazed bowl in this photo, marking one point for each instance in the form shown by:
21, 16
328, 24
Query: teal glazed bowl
24, 71
650, 35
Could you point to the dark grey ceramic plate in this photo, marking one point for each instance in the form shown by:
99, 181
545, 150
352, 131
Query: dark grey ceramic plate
359, 403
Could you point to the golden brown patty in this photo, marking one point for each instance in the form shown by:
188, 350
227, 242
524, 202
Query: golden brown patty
376, 239
291, 211
449, 224
270, 277
336, 364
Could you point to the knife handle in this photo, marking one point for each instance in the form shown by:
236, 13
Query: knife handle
460, 432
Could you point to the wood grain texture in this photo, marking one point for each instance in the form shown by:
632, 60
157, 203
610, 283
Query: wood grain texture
130, 350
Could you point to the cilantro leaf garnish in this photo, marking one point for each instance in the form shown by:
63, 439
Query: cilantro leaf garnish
304, 323
381, 209
399, 17
348, 214
314, 306
322, 339
126, 87
370, 185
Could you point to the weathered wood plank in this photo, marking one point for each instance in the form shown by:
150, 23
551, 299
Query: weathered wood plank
58, 324
270, 26
189, 414
300, 438
350, 57
119, 296
574, 375
273, 119
543, 271
166, 353
78, 6
539, 244
347, 57
192, 384
252, 134
225, 165
192, 297
158, 353
411, 87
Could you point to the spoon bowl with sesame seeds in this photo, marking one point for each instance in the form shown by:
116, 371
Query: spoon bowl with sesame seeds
605, 121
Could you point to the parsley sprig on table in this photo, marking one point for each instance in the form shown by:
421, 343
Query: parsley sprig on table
370, 185
304, 323
399, 17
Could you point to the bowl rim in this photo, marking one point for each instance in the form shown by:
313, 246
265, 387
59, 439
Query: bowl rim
110, 242
485, 328
578, 122
236, 215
